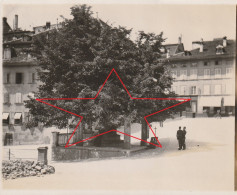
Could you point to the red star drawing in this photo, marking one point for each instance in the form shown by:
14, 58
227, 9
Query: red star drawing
183, 100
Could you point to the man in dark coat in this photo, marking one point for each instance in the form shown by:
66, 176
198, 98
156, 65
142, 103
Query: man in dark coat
184, 137
180, 138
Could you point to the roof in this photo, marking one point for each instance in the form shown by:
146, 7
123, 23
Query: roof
174, 48
209, 51
6, 26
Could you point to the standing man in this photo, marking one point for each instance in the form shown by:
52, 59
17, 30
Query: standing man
179, 136
184, 134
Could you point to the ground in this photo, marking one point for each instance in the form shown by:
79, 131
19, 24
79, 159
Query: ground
207, 164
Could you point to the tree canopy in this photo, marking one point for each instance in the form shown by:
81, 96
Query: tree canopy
76, 59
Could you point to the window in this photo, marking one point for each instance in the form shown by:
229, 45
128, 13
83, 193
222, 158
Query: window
6, 98
216, 62
193, 74
18, 98
183, 74
219, 49
206, 73
19, 78
217, 89
205, 63
193, 90
5, 118
206, 89
18, 118
7, 53
229, 89
183, 90
194, 106
228, 72
217, 73
31, 77
6, 78
174, 74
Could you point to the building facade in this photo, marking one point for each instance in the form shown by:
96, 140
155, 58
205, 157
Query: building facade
19, 79
206, 75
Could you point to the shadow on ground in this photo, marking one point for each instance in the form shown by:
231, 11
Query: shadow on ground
170, 148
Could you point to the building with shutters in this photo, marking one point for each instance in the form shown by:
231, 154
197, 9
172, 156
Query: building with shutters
19, 77
205, 74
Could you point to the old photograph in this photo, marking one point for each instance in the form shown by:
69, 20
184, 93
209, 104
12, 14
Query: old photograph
118, 97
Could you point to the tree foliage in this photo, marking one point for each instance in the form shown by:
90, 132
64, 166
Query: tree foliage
76, 59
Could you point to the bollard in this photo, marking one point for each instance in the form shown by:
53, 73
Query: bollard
55, 138
42, 155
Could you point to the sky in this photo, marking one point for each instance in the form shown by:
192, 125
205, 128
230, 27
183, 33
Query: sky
193, 22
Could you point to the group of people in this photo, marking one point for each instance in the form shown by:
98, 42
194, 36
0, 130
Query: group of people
181, 138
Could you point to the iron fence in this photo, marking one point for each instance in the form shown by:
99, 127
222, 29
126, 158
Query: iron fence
20, 154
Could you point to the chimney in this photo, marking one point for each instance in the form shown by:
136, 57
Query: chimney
47, 25
16, 22
201, 46
180, 40
224, 41
168, 53
4, 19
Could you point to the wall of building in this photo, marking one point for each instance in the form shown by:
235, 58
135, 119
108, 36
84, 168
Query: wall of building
212, 81
18, 93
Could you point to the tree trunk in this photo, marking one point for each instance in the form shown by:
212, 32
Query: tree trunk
127, 130
144, 132
79, 134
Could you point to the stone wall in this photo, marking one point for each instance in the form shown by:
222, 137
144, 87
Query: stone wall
61, 153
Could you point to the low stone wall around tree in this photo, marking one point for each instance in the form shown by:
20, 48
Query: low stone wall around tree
60, 153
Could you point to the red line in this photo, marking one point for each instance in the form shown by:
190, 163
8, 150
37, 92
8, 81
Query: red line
166, 108
89, 138
65, 99
60, 108
123, 84
103, 84
73, 132
138, 138
113, 70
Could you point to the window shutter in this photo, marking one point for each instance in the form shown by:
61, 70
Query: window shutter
4, 78
18, 98
22, 81
26, 117
6, 98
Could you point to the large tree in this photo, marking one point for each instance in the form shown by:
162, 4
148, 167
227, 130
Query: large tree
76, 59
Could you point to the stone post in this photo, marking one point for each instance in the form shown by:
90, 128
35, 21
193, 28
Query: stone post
42, 155
79, 133
144, 132
127, 130
55, 138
